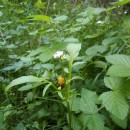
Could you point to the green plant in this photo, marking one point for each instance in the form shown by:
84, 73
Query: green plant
69, 70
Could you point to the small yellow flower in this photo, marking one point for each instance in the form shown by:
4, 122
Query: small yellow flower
60, 80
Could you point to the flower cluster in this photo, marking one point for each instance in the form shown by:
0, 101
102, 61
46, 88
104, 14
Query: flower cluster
58, 54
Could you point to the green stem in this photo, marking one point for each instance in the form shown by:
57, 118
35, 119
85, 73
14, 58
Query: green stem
68, 92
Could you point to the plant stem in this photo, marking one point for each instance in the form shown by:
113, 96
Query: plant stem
68, 92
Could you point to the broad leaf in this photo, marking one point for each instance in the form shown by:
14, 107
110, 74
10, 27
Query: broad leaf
93, 122
114, 83
73, 50
75, 123
115, 103
48, 52
74, 104
95, 49
119, 59
87, 94
87, 102
119, 70
29, 86
23, 79
121, 123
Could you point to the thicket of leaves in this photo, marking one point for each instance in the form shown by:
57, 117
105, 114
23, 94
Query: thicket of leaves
95, 41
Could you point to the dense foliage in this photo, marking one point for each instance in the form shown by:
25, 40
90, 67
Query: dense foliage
64, 65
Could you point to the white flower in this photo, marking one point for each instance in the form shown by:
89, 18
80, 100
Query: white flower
125, 12
58, 54
99, 22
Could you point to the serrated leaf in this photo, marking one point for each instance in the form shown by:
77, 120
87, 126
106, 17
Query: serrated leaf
119, 59
95, 49
109, 40
88, 101
93, 122
87, 94
121, 123
74, 104
73, 50
23, 79
115, 103
119, 70
114, 83
75, 123
87, 106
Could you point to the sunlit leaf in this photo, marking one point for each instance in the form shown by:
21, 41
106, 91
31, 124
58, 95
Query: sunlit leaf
92, 121
119, 70
114, 83
23, 79
73, 50
115, 103
119, 59
121, 2
40, 18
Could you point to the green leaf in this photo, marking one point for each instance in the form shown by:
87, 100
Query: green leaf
60, 18
109, 40
71, 40
114, 83
95, 49
23, 79
121, 2
87, 102
40, 18
73, 50
126, 89
119, 70
29, 86
75, 123
29, 96
48, 52
42, 113
93, 122
87, 106
121, 123
74, 104
20, 126
45, 89
40, 4
46, 55
115, 103
87, 94
100, 64
119, 59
